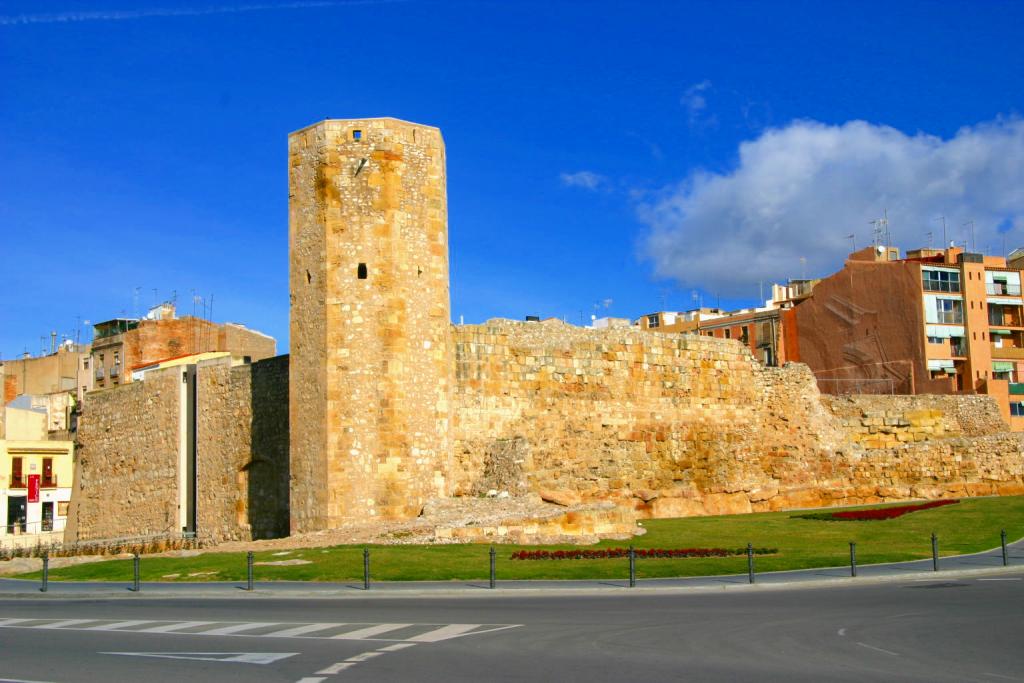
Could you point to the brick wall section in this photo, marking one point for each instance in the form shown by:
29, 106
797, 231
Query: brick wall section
127, 460
243, 449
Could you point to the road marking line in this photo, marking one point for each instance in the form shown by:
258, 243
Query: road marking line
233, 657
66, 622
359, 634
444, 633
9, 622
872, 647
355, 659
175, 627
119, 624
1008, 678
301, 630
235, 628
1014, 579
394, 647
842, 631
335, 668
19, 680
308, 679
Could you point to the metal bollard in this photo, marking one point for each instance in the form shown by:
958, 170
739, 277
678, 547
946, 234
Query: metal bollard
46, 572
632, 567
492, 566
249, 563
750, 562
853, 559
366, 569
135, 568
1002, 542
935, 552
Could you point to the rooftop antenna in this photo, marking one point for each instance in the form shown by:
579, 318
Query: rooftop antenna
943, 219
929, 236
853, 242
974, 245
135, 302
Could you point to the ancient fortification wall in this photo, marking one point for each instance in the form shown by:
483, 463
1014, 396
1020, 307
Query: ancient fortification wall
680, 425
132, 469
127, 460
243, 450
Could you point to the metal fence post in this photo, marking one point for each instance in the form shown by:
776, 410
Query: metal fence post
492, 566
46, 572
935, 552
249, 564
366, 569
853, 558
1002, 542
632, 567
135, 571
750, 562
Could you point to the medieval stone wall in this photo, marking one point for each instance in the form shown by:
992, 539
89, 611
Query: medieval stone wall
243, 449
132, 446
682, 425
127, 460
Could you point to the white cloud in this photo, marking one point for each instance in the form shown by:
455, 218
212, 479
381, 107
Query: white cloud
695, 103
123, 15
588, 180
801, 190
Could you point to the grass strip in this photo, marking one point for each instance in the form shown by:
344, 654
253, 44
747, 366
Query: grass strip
971, 526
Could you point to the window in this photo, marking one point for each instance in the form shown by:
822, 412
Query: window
16, 473
361, 271
745, 334
728, 334
357, 135
1017, 409
653, 321
940, 281
48, 480
85, 363
950, 311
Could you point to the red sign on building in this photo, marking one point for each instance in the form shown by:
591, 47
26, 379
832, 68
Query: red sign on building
33, 488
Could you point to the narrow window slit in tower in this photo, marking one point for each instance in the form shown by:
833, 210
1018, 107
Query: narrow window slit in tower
361, 271
309, 277
357, 135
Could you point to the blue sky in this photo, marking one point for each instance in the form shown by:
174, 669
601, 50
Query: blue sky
631, 152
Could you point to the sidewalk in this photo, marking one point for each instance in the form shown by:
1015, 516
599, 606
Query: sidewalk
985, 563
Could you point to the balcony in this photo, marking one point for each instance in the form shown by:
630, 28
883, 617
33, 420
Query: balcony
50, 483
115, 370
99, 374
1002, 289
1016, 388
1007, 352
18, 482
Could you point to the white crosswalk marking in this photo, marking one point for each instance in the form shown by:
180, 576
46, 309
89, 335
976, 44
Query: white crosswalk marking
302, 630
370, 631
178, 626
66, 622
118, 625
445, 632
235, 628
402, 635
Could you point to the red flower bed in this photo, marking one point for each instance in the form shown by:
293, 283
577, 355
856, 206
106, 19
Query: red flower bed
877, 513
645, 553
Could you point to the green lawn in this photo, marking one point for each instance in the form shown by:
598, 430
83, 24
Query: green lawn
970, 526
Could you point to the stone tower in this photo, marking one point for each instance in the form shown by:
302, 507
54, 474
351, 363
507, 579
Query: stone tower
370, 320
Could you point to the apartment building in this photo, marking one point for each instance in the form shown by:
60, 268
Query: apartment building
935, 321
123, 345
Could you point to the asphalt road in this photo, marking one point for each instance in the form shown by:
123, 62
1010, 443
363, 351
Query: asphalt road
942, 629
